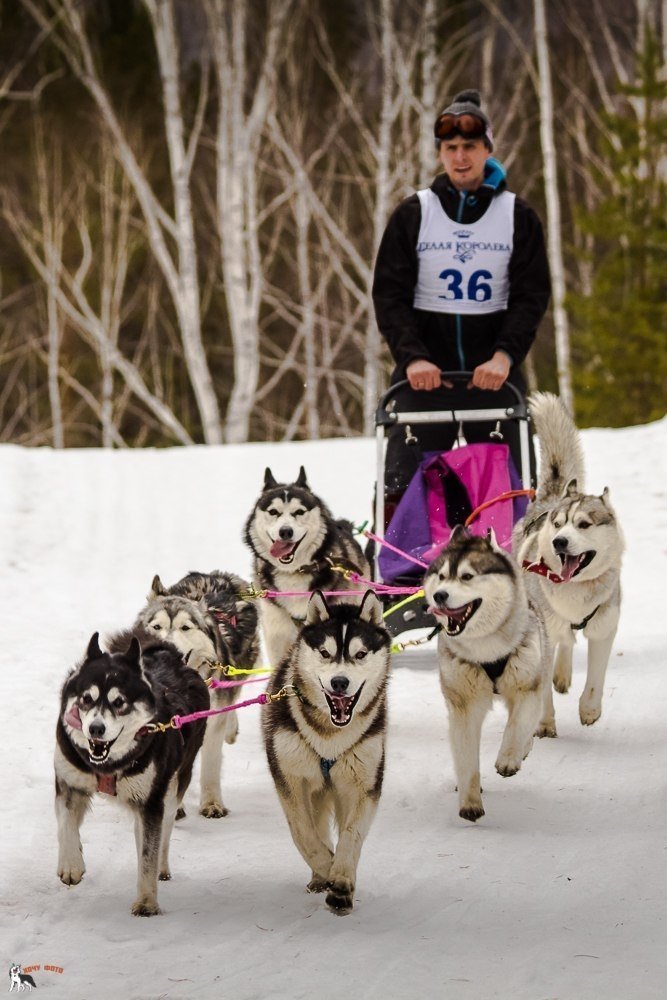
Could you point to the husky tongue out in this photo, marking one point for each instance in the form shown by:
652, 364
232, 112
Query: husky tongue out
572, 564
341, 707
284, 551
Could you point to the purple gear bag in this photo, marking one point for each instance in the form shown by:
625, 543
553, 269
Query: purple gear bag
419, 525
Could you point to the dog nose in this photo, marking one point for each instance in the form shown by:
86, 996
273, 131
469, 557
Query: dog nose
560, 543
339, 684
286, 532
440, 598
96, 729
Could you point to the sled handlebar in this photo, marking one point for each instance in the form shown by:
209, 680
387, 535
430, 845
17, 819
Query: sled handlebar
384, 417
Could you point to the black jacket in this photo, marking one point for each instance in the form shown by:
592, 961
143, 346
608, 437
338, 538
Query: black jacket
456, 342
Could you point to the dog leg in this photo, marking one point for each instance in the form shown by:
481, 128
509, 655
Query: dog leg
71, 807
465, 732
524, 712
563, 667
210, 804
355, 814
170, 806
232, 730
300, 814
547, 723
590, 703
148, 835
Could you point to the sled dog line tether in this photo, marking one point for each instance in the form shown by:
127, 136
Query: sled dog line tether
177, 721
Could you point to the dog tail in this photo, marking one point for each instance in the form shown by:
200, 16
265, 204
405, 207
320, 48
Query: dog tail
561, 453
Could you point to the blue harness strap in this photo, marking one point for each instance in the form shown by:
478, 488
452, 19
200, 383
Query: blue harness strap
325, 767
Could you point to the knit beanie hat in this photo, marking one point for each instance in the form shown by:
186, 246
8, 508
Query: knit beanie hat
467, 102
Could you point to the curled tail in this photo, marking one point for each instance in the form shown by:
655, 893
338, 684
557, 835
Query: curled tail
561, 454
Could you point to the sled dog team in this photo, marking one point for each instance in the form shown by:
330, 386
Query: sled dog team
507, 627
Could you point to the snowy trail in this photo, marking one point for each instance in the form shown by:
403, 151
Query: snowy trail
556, 893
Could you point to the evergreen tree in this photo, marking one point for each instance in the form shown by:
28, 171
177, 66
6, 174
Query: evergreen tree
620, 361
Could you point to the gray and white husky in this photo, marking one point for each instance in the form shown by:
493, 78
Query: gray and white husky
297, 545
325, 744
207, 618
491, 642
104, 743
571, 544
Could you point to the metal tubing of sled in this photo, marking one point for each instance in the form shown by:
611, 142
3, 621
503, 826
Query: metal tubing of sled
387, 417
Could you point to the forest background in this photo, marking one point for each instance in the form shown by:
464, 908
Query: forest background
192, 193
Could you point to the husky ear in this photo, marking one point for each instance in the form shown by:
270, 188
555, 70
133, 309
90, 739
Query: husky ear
269, 481
459, 533
94, 652
301, 479
371, 609
605, 496
318, 610
571, 489
492, 540
158, 589
133, 652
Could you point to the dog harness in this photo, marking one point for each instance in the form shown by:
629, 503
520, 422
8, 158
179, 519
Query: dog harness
325, 767
584, 622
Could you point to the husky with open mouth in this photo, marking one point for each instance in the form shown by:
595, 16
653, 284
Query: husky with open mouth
208, 618
105, 743
297, 546
325, 741
571, 545
491, 641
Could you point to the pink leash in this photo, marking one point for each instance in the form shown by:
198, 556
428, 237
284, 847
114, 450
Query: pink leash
399, 552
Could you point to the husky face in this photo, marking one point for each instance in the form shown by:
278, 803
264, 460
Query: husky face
106, 702
471, 586
181, 622
342, 657
579, 538
288, 523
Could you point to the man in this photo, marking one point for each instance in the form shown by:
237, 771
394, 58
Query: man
461, 283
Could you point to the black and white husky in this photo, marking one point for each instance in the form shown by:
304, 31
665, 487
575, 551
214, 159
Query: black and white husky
207, 618
571, 544
21, 980
325, 744
491, 642
297, 545
104, 743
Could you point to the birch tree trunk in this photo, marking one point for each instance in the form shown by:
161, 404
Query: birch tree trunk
554, 246
238, 141
179, 266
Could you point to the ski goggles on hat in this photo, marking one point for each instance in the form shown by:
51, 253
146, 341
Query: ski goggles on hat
466, 125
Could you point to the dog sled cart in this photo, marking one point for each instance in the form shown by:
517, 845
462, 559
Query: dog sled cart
475, 484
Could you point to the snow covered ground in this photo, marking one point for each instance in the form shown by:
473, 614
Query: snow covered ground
556, 894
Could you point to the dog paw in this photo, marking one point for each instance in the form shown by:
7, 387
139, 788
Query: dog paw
547, 729
471, 813
317, 884
165, 876
145, 908
589, 714
180, 813
213, 810
339, 896
71, 874
562, 684
507, 766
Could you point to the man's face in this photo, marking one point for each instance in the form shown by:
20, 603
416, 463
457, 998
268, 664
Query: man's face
464, 161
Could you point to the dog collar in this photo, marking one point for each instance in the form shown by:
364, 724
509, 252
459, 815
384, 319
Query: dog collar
541, 569
106, 783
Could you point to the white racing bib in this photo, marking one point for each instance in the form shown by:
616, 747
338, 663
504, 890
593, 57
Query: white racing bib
464, 269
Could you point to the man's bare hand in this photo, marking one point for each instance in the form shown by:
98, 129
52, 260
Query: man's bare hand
492, 374
424, 375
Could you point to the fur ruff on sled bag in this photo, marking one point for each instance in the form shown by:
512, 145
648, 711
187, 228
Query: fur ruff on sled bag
443, 492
